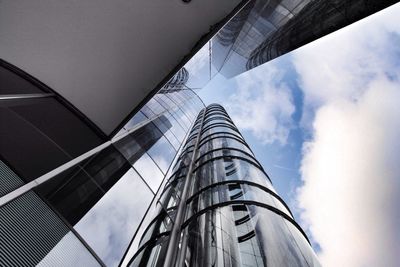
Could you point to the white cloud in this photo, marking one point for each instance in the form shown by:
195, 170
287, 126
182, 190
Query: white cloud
262, 104
111, 223
350, 167
342, 64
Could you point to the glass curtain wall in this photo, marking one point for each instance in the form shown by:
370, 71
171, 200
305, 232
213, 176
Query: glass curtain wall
263, 30
232, 216
83, 209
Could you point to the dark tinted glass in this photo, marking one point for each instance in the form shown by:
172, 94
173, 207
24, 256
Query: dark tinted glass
72, 193
58, 123
11, 83
26, 148
138, 142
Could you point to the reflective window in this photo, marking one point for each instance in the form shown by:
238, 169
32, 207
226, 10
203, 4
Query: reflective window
276, 240
212, 122
228, 192
218, 129
138, 142
228, 155
162, 153
213, 233
176, 128
75, 191
110, 225
11, 83
138, 118
155, 106
182, 118
149, 171
41, 136
72, 193
205, 138
147, 112
229, 169
165, 125
222, 142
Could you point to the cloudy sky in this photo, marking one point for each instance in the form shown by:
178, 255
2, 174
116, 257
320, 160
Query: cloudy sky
325, 123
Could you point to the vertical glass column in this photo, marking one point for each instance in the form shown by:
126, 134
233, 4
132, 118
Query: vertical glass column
232, 214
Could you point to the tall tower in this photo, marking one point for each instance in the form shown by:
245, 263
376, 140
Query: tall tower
219, 208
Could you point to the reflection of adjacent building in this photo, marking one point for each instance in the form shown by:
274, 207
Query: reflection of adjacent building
177, 82
264, 30
68, 195
218, 208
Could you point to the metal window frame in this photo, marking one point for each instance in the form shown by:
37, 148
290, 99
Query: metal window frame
250, 183
246, 203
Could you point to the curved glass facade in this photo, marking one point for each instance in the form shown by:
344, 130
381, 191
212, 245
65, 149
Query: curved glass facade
69, 197
219, 208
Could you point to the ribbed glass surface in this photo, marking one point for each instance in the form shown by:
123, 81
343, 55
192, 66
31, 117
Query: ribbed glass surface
30, 230
9, 180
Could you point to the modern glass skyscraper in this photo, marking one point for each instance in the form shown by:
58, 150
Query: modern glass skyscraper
264, 30
219, 208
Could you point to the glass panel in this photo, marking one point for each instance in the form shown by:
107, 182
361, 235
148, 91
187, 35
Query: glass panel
11, 83
149, 171
162, 153
176, 129
212, 240
138, 118
106, 167
155, 106
276, 241
167, 102
72, 193
217, 121
26, 149
154, 252
222, 142
59, 124
165, 125
218, 129
228, 155
147, 112
147, 232
199, 68
229, 192
111, 223
138, 142
205, 138
230, 169
182, 118
303, 245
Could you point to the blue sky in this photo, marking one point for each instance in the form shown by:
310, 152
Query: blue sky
324, 120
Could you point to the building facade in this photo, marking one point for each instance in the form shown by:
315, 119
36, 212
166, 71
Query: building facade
68, 196
219, 208
263, 30
120, 201
86, 176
